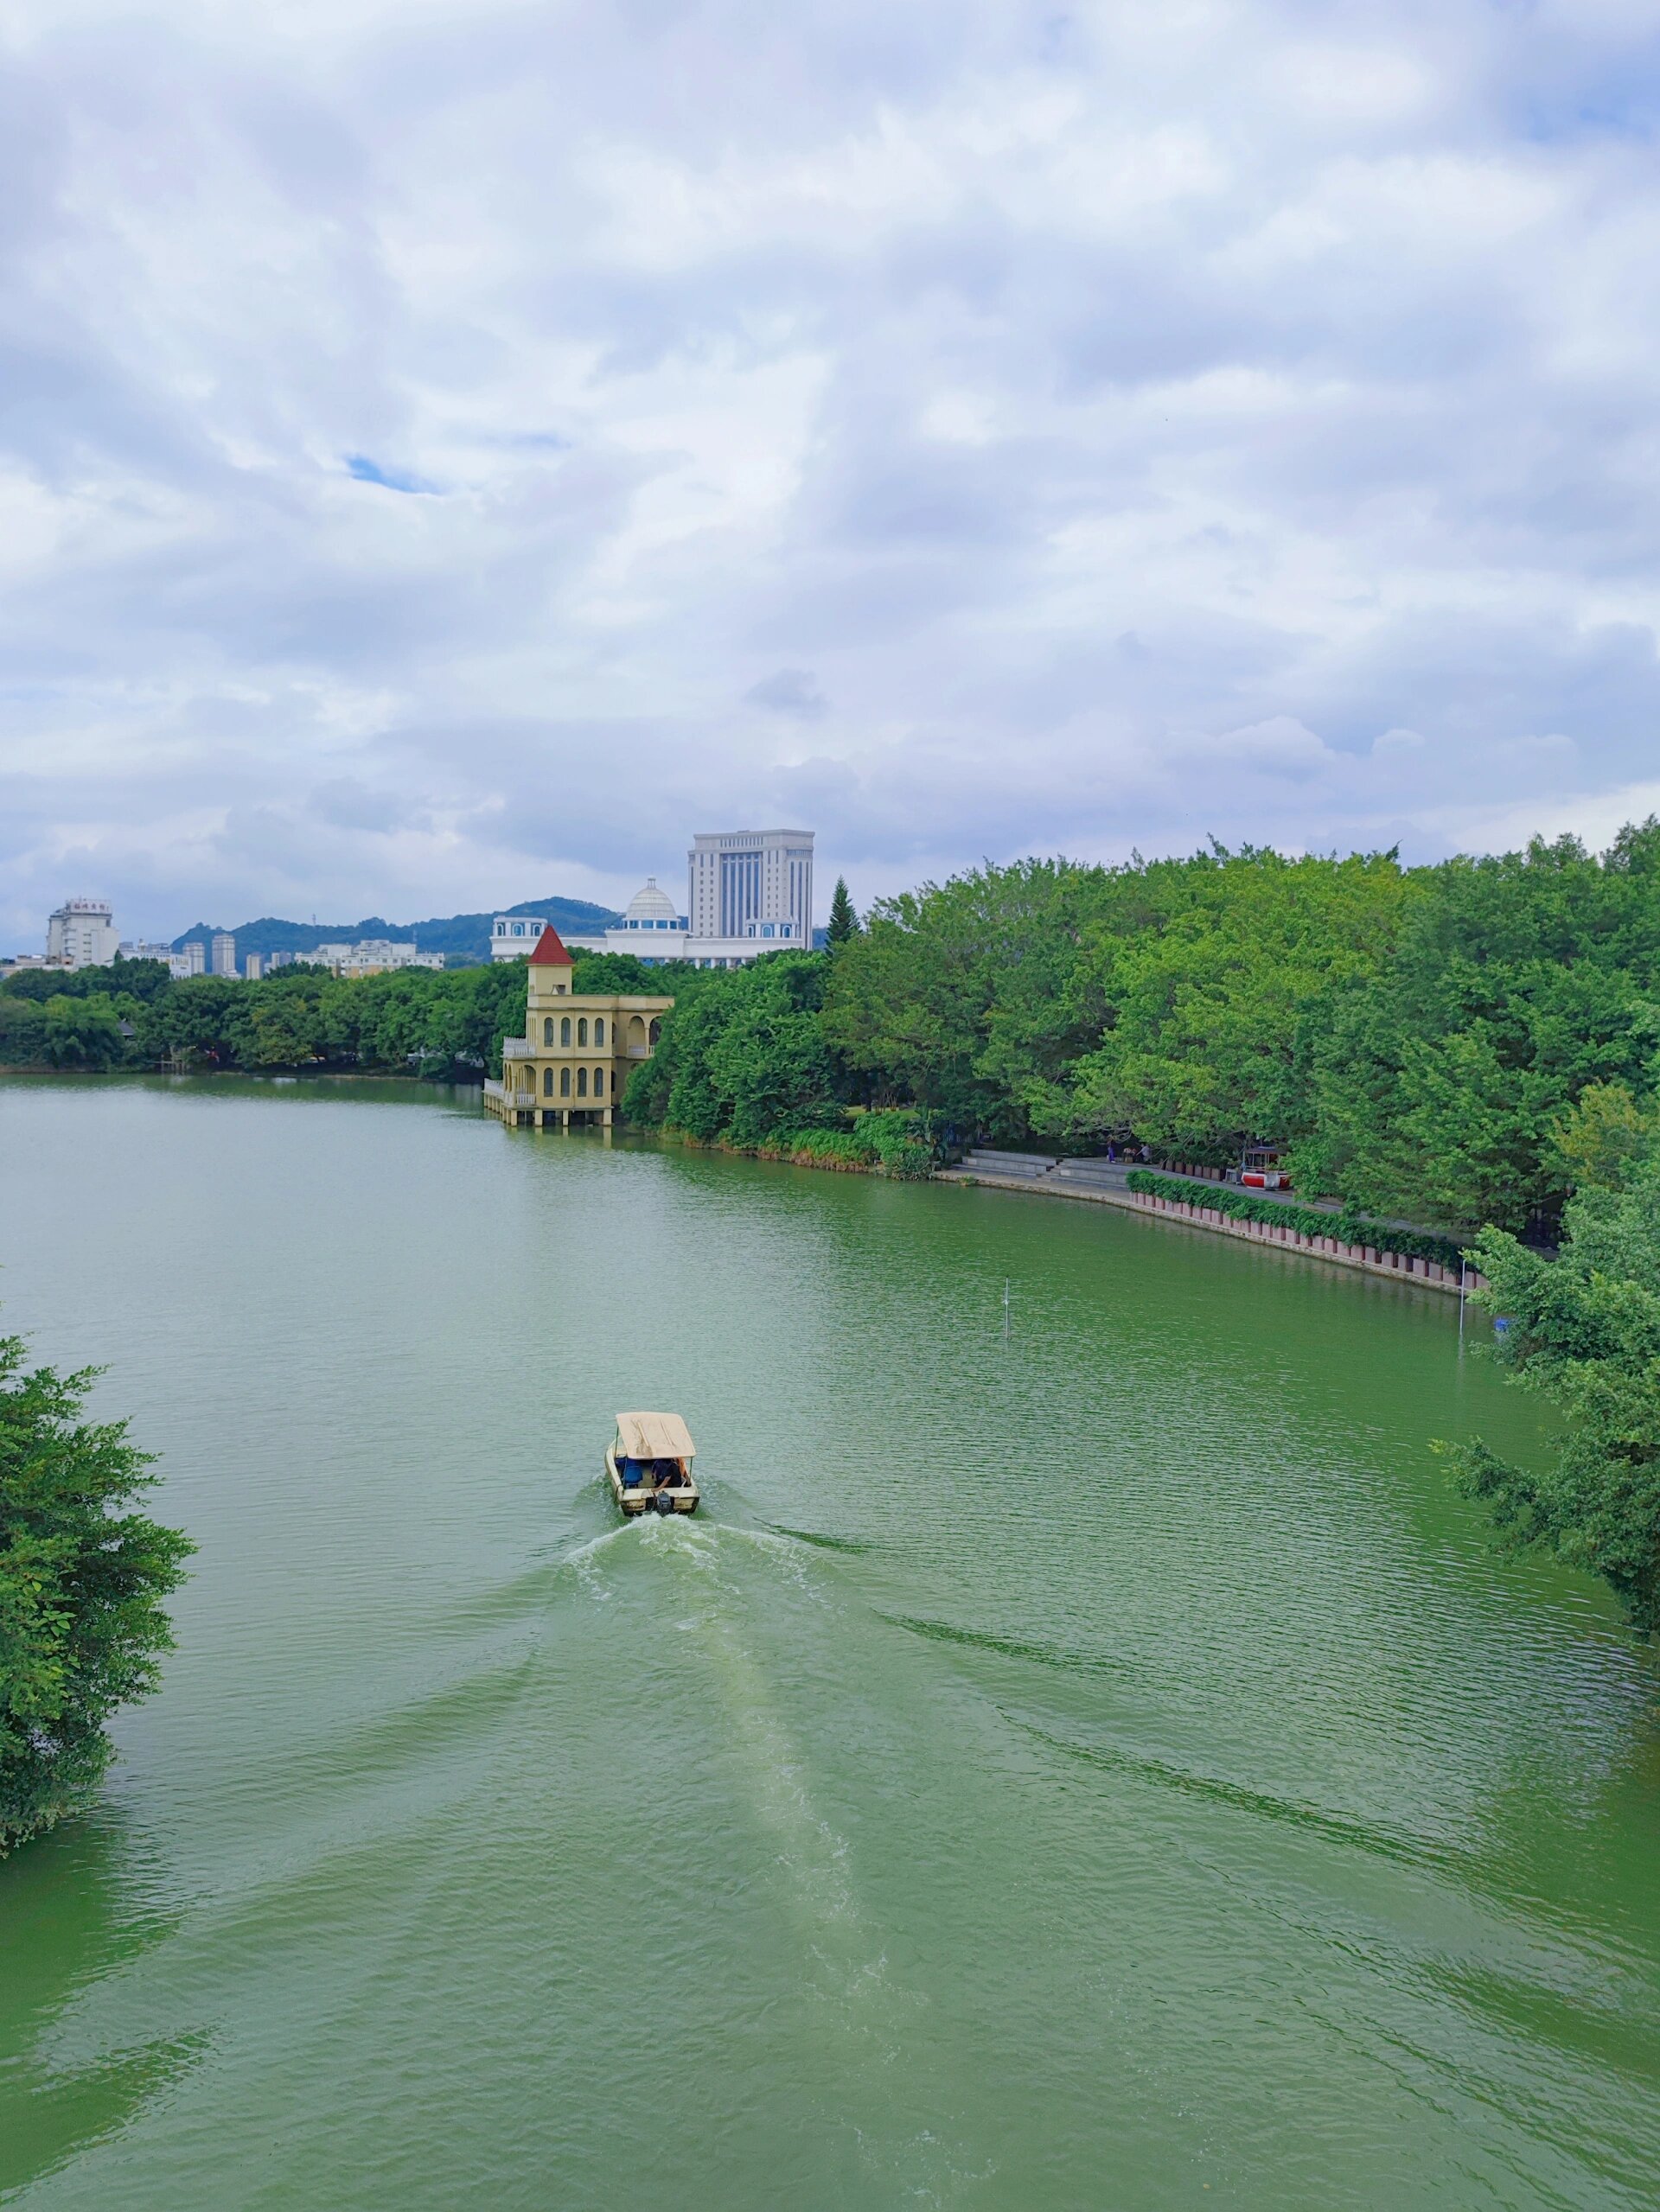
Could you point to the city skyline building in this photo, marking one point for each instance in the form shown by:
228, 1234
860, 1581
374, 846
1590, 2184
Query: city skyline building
745, 883
80, 933
372, 956
224, 952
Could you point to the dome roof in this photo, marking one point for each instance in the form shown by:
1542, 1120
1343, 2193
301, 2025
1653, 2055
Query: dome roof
650, 904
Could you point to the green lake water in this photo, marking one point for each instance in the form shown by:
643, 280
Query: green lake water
1105, 1767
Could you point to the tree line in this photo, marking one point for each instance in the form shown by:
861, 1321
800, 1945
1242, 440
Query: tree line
446, 1023
1420, 1039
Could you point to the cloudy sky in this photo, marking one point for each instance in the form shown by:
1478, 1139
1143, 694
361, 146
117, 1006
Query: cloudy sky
452, 450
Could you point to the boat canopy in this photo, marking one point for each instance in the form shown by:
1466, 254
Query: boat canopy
655, 1436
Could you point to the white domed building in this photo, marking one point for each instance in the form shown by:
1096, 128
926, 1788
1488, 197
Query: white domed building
649, 908
750, 892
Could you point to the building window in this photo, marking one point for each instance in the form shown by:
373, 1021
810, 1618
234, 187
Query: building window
582, 1030
547, 1028
599, 1082
599, 1032
564, 1082
547, 1082
564, 1031
581, 1082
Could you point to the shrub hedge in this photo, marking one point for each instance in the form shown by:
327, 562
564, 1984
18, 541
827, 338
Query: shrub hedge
1348, 1228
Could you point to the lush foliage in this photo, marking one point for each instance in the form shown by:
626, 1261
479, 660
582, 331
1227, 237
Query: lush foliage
1584, 1330
745, 1060
302, 1016
1420, 1038
1346, 1226
82, 1582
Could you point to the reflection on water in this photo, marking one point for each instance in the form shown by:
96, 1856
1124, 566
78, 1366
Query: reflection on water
1102, 1768
81, 1910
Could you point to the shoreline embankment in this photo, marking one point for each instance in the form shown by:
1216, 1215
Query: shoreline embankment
1370, 1259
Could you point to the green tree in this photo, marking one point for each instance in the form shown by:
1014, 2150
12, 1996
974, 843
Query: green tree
83, 1033
140, 979
1202, 970
1605, 1136
82, 1581
843, 921
743, 1056
770, 1065
1584, 1331
1433, 1084
22, 1032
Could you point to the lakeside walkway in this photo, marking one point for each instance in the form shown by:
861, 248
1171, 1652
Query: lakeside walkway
1106, 1183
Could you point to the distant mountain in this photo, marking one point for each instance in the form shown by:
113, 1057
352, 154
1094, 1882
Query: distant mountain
460, 937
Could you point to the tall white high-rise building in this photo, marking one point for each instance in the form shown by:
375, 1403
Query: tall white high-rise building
752, 885
81, 934
224, 952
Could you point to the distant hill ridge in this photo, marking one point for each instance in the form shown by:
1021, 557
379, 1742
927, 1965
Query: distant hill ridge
459, 937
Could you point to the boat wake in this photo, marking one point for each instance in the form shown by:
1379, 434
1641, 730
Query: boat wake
758, 1605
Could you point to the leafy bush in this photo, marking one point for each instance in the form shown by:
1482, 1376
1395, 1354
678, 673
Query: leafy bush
82, 1579
904, 1140
1585, 1333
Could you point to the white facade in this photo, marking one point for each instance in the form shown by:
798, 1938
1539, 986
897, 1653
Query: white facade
751, 883
253, 966
81, 934
224, 953
137, 950
373, 956
513, 936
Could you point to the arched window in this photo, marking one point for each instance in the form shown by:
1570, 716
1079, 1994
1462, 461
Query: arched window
599, 1082
582, 1030
599, 1032
564, 1082
564, 1029
636, 1032
547, 1028
581, 1082
656, 1031
547, 1082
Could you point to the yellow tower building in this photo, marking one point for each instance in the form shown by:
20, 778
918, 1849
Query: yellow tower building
576, 1052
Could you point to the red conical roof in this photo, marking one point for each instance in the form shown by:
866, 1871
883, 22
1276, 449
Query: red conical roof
549, 953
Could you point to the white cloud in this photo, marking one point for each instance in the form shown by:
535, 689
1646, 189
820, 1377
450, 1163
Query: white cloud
452, 451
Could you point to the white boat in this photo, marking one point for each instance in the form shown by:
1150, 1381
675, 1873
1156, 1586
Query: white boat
649, 1461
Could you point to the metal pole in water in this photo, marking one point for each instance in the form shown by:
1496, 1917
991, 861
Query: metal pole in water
1464, 1268
1005, 1309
